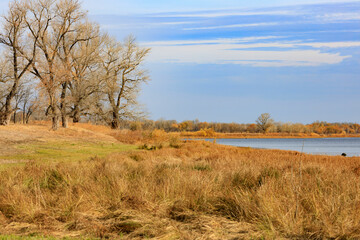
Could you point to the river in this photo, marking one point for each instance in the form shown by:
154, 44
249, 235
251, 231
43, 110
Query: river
325, 146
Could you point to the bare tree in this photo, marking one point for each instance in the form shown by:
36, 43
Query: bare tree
82, 38
85, 62
19, 98
264, 122
19, 51
80, 72
52, 21
5, 81
29, 104
122, 77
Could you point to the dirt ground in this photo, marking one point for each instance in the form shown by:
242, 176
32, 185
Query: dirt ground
26, 133
13, 135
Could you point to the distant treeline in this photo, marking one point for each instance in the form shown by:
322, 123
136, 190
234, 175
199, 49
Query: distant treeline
275, 127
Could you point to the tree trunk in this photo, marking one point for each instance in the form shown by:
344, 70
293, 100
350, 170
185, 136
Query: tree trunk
55, 117
5, 118
64, 121
76, 117
14, 117
76, 114
27, 117
24, 112
115, 122
55, 123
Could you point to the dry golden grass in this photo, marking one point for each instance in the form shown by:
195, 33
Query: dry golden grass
185, 190
42, 132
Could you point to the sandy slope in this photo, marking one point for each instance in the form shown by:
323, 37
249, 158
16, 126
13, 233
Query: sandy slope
24, 133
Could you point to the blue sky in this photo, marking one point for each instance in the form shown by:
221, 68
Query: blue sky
230, 61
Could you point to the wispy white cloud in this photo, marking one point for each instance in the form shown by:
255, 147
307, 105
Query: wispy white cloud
119, 26
227, 14
227, 52
219, 54
331, 17
174, 23
331, 44
235, 26
252, 42
210, 41
332, 31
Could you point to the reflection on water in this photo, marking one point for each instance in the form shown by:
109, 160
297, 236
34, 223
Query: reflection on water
327, 146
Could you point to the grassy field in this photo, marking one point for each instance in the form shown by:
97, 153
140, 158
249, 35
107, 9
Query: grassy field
64, 151
88, 182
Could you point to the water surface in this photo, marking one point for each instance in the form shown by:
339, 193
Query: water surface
325, 146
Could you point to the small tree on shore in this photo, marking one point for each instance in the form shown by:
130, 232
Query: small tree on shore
264, 122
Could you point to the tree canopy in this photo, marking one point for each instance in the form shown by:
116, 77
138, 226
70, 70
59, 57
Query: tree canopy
76, 69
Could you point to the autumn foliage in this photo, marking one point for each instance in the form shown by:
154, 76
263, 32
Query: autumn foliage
212, 129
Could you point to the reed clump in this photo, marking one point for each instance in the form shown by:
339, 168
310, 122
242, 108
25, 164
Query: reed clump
197, 189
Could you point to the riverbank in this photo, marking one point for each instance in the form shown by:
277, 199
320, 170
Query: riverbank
267, 135
321, 146
165, 188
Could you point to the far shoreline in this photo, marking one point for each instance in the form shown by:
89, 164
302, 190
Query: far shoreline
265, 136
